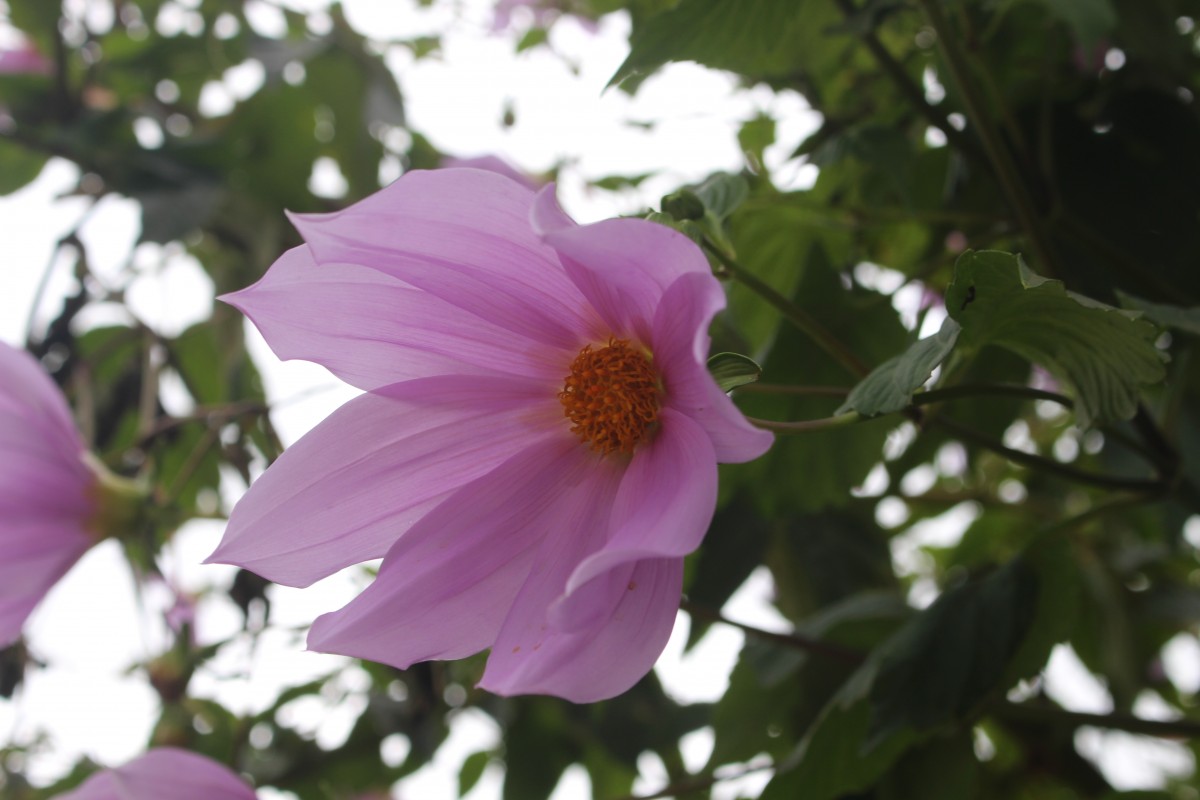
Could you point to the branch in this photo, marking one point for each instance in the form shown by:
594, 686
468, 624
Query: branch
793, 313
795, 641
1052, 715
1142, 485
911, 91
1003, 165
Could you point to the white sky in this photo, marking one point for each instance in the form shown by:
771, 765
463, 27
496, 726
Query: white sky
93, 626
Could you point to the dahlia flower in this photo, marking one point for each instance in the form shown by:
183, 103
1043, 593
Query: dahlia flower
48, 495
164, 773
537, 447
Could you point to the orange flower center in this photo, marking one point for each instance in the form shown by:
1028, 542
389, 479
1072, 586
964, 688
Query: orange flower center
611, 396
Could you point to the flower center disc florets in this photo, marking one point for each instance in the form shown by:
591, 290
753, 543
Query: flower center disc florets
611, 396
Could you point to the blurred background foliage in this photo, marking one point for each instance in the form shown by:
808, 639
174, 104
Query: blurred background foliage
1058, 439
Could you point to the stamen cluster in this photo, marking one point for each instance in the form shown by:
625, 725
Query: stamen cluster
611, 396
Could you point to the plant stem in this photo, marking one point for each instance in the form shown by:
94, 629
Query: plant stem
1142, 485
775, 388
911, 91
792, 640
808, 425
1003, 165
793, 313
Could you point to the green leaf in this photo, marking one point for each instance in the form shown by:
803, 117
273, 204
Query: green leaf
829, 762
533, 37
722, 193
753, 37
890, 386
18, 166
1090, 20
1103, 352
754, 137
731, 370
472, 770
977, 639
1177, 317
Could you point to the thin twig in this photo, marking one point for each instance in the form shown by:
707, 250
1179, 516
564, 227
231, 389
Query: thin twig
1003, 164
793, 640
1052, 715
911, 91
793, 313
1142, 485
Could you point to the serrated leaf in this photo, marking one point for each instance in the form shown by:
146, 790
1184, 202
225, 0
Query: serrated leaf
731, 370
1177, 317
890, 386
1104, 353
722, 193
976, 640
754, 37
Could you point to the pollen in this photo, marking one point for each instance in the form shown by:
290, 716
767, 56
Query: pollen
611, 396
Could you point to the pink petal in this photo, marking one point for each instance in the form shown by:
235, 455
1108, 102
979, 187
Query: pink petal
446, 585
595, 663
351, 486
680, 343
622, 266
30, 398
38, 551
663, 509
164, 773
372, 330
464, 236
492, 164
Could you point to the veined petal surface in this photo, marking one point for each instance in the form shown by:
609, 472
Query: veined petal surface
354, 484
38, 551
45, 489
372, 330
462, 235
622, 266
446, 586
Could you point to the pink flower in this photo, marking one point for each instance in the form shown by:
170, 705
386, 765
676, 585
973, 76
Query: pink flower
164, 773
544, 13
24, 59
493, 164
537, 448
47, 492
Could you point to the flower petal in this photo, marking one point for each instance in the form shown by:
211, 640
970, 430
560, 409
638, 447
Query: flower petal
622, 266
164, 773
680, 342
464, 236
446, 585
595, 663
371, 329
351, 486
663, 509
38, 551
31, 399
